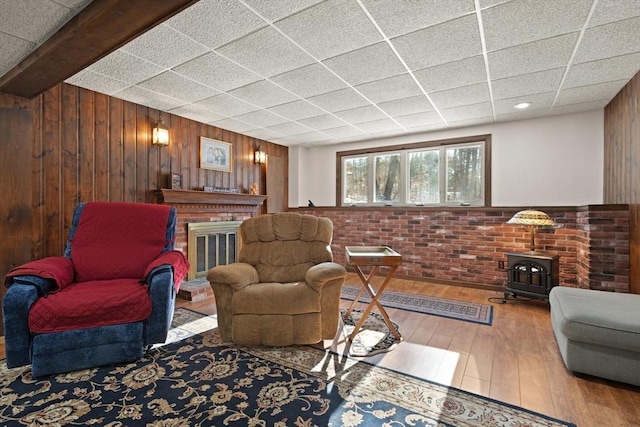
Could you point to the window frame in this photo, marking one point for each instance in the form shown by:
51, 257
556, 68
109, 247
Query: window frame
485, 140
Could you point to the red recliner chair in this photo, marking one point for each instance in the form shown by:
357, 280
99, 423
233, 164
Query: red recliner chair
110, 297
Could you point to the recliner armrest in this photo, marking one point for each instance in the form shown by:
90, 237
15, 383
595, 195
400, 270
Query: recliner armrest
324, 272
172, 260
237, 275
47, 274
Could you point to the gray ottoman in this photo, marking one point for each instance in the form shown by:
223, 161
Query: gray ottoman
598, 332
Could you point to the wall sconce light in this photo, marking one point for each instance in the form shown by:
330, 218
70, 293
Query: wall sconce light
259, 156
532, 219
160, 133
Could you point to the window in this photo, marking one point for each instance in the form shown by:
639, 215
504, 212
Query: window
449, 172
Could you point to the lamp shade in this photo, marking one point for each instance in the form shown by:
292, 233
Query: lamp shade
531, 217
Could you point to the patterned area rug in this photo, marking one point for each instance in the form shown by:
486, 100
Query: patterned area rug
436, 306
374, 337
199, 381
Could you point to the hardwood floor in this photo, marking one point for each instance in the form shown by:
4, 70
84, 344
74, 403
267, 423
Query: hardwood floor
516, 360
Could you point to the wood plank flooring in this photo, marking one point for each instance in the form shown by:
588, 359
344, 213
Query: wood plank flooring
516, 360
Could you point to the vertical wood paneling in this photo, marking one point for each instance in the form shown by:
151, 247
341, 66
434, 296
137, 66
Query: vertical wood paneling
622, 165
129, 152
70, 148
116, 150
86, 144
16, 185
101, 147
50, 183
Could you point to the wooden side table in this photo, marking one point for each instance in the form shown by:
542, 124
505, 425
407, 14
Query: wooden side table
376, 257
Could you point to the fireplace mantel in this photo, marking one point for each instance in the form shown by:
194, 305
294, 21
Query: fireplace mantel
173, 197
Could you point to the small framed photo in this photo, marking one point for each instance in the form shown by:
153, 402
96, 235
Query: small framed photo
176, 181
215, 155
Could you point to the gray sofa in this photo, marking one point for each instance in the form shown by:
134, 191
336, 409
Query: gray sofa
598, 332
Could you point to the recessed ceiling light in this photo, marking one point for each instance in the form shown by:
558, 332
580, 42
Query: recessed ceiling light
523, 105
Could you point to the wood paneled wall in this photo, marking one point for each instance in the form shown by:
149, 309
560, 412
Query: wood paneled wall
71, 145
622, 165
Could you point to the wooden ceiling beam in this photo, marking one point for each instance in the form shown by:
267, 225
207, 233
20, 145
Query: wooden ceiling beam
99, 29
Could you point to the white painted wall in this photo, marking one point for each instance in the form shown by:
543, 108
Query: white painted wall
549, 161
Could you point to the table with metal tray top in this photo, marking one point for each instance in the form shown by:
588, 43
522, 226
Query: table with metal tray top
376, 257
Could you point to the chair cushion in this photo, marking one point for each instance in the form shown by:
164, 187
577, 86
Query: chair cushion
276, 298
91, 304
117, 240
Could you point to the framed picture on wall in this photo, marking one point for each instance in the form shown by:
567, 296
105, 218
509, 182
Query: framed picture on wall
215, 155
176, 181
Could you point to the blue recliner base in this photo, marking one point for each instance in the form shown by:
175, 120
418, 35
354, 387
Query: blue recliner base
55, 353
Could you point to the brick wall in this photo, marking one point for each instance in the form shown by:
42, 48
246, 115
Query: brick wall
464, 245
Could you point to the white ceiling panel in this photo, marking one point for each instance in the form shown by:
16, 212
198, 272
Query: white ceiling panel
330, 28
523, 21
310, 80
614, 39
402, 17
531, 57
356, 69
367, 64
257, 50
442, 43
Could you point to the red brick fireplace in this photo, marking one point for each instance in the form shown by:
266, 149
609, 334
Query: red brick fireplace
199, 206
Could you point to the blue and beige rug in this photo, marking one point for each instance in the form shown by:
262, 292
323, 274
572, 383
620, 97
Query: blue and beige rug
436, 306
200, 381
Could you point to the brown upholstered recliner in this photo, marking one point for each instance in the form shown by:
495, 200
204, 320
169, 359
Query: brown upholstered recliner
285, 288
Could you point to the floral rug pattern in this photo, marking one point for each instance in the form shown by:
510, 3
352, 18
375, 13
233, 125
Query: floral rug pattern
200, 381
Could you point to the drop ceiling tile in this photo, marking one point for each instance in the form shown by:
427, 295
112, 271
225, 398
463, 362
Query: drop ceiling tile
531, 57
218, 72
406, 106
617, 68
526, 84
274, 10
97, 82
401, 17
396, 87
377, 126
226, 105
582, 94
607, 11
177, 86
361, 114
540, 101
13, 49
523, 21
575, 108
297, 110
216, 22
453, 74
165, 46
263, 94
290, 128
195, 113
147, 98
419, 119
74, 4
330, 28
263, 134
326, 121
310, 80
367, 64
522, 115
466, 95
3, 70
305, 138
232, 125
476, 121
126, 67
261, 118
343, 132
609, 40
339, 100
442, 43
33, 20
467, 112
266, 52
